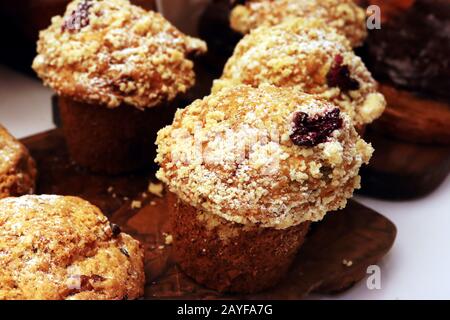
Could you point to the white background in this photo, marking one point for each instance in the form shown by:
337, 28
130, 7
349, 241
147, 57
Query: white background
418, 266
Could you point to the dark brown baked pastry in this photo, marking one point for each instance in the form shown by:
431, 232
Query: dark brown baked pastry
410, 56
127, 65
17, 167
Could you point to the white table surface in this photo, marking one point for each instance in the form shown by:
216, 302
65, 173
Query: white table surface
418, 266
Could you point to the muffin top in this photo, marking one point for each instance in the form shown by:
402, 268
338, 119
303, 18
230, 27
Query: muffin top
311, 56
54, 247
17, 168
110, 52
344, 15
266, 156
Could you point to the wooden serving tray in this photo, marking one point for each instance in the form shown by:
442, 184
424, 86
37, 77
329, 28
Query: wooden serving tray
356, 234
403, 170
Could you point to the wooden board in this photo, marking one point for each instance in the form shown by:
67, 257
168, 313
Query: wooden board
402, 170
356, 234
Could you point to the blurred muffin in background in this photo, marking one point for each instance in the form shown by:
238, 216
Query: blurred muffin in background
344, 15
117, 70
309, 55
410, 57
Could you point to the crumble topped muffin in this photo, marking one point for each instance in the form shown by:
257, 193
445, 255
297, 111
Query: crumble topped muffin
266, 156
311, 56
54, 247
344, 15
17, 168
110, 52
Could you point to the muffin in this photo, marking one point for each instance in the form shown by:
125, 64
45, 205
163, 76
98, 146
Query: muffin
249, 169
17, 168
344, 15
117, 70
311, 56
64, 248
412, 62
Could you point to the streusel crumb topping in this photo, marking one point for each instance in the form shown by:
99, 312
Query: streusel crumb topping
64, 248
344, 15
17, 168
110, 52
307, 54
233, 154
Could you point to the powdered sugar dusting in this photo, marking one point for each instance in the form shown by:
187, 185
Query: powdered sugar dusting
260, 176
121, 54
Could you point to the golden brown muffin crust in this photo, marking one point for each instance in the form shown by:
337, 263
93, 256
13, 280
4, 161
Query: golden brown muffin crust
115, 53
54, 247
210, 159
17, 168
343, 15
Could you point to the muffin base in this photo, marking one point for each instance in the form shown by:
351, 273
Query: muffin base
229, 257
112, 141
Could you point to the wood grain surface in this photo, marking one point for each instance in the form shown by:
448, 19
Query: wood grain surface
409, 117
403, 170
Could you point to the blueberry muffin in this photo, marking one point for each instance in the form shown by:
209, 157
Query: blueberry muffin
309, 55
64, 248
343, 15
248, 170
117, 69
17, 167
